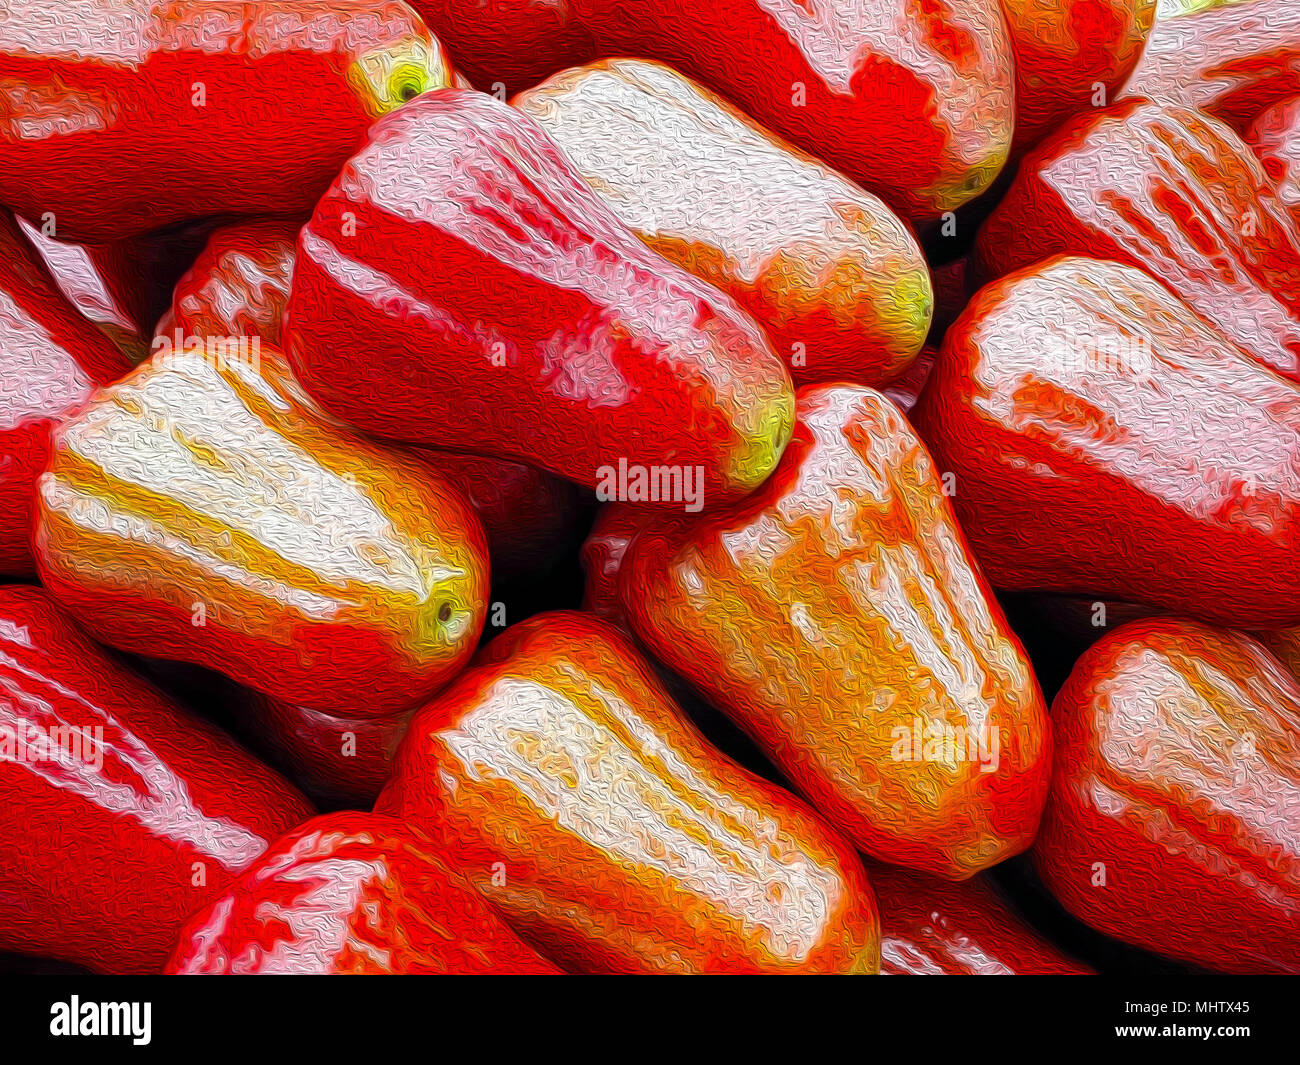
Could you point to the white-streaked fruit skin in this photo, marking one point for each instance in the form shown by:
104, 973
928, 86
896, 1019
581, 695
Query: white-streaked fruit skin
210, 513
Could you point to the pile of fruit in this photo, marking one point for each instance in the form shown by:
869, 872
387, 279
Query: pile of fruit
516, 486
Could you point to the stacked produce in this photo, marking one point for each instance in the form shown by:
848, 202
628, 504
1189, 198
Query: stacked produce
496, 486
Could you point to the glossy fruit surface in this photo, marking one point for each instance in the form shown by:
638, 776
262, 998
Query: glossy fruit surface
123, 116
123, 813
1284, 645
351, 894
200, 510
904, 392
602, 558
51, 359
835, 279
912, 100
142, 271
1275, 136
238, 286
837, 617
1230, 59
538, 327
1071, 55
1174, 193
1174, 817
82, 274
1105, 441
502, 46
932, 927
562, 779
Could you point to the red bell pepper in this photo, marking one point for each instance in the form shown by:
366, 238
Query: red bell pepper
1093, 427
202, 510
51, 359
1275, 137
123, 813
352, 894
931, 927
238, 286
1228, 59
560, 777
123, 116
836, 616
1071, 55
538, 328
1172, 192
913, 101
1173, 822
